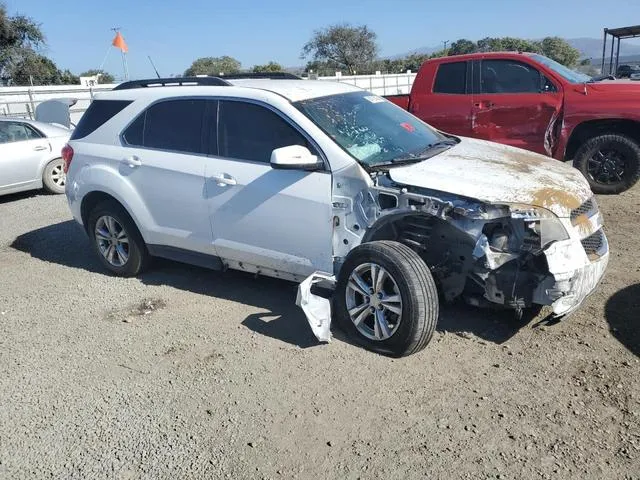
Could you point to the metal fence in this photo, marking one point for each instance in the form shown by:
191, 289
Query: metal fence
22, 101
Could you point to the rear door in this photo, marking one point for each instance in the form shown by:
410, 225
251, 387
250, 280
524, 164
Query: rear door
276, 219
515, 104
164, 162
446, 102
22, 150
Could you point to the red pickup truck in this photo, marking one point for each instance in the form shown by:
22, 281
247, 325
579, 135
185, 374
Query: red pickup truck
529, 101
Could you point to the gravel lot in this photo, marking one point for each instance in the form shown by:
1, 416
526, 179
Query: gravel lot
187, 373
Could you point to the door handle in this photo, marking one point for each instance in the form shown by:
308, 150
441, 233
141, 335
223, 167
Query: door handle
133, 161
486, 104
223, 179
40, 148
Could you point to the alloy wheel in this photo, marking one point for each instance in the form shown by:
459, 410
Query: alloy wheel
373, 301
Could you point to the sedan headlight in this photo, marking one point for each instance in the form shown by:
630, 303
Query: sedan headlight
540, 226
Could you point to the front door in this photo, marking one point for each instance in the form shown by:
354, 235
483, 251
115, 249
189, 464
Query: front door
276, 219
22, 151
516, 105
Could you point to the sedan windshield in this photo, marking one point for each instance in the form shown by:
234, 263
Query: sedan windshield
566, 73
373, 130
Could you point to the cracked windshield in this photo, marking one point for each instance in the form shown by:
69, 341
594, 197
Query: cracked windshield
371, 129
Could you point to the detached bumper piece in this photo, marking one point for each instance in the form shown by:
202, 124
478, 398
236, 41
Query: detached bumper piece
314, 298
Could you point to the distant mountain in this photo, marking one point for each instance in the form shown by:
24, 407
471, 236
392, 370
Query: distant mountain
592, 47
588, 48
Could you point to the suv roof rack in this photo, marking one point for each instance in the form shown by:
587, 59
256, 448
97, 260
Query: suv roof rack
163, 82
268, 75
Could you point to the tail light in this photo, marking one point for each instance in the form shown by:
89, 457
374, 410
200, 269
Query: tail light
67, 156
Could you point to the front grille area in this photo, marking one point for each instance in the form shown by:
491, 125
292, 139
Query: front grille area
593, 243
588, 208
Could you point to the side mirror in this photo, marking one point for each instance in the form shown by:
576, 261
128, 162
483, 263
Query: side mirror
295, 157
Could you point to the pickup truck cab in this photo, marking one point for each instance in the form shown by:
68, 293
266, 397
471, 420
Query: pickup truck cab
529, 101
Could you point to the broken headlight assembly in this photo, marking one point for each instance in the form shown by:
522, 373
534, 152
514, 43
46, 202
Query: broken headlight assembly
537, 226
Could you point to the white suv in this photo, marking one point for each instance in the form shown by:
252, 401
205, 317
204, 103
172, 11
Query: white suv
311, 180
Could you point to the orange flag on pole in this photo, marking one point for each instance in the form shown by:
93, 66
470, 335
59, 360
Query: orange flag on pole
118, 42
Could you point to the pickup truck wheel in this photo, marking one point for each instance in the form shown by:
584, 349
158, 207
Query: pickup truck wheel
386, 299
610, 163
116, 239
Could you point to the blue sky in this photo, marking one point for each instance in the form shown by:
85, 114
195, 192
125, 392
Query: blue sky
256, 31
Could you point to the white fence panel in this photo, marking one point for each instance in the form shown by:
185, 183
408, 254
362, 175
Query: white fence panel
22, 101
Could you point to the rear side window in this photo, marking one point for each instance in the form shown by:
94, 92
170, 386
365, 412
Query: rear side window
175, 125
17, 132
451, 78
250, 132
98, 113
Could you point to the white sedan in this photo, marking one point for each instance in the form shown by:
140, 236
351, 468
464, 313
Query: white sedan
30, 156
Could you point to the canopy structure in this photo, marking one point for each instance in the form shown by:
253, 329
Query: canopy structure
616, 34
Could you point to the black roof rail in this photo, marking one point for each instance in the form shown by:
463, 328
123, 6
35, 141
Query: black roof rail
268, 75
165, 82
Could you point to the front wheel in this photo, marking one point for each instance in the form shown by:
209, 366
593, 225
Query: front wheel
386, 299
610, 163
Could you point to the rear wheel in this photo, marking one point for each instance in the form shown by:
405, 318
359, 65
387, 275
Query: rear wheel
53, 177
116, 240
386, 299
610, 163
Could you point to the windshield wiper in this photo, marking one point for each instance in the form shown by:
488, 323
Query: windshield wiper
425, 154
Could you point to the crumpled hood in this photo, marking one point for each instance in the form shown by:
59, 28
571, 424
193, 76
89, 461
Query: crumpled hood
499, 174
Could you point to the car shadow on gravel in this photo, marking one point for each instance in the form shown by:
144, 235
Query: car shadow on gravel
622, 312
66, 244
14, 197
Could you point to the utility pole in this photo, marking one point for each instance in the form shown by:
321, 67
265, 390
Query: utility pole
444, 42
124, 58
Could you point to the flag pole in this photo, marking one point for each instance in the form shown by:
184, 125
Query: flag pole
119, 42
124, 65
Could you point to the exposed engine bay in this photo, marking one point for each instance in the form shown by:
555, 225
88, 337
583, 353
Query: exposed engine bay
511, 256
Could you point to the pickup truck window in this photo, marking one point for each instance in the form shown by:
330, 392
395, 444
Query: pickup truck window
247, 131
371, 129
451, 78
174, 125
508, 76
566, 73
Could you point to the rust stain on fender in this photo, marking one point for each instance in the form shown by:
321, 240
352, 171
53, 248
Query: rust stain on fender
549, 197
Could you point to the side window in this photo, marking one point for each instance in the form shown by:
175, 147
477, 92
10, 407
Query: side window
250, 132
17, 132
508, 76
451, 78
98, 113
175, 125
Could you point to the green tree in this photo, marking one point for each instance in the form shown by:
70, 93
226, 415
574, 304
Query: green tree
68, 78
36, 69
213, 66
105, 77
462, 46
269, 67
20, 37
348, 47
559, 50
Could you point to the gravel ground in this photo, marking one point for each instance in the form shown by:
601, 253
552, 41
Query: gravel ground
188, 373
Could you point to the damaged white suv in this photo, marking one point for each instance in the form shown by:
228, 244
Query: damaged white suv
311, 180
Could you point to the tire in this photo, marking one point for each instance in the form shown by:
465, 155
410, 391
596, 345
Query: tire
603, 158
53, 176
125, 259
408, 279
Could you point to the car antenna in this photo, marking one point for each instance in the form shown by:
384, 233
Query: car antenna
154, 67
